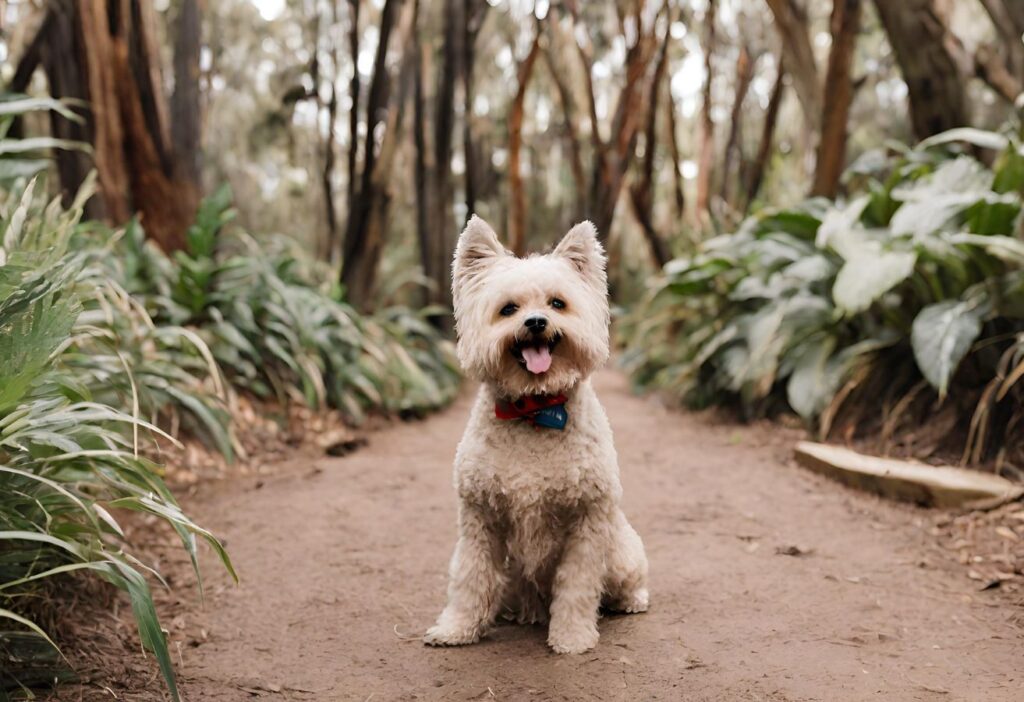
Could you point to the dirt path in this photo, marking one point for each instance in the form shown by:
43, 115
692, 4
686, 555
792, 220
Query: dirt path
343, 565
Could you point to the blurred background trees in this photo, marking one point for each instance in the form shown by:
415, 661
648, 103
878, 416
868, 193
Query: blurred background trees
370, 129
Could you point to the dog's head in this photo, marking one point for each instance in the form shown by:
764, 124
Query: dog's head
535, 325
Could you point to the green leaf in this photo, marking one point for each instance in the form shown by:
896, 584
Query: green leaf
21, 146
978, 137
810, 387
867, 276
941, 336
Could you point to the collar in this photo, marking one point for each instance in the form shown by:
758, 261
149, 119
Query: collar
546, 411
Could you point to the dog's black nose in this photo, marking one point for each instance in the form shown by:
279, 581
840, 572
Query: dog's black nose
536, 324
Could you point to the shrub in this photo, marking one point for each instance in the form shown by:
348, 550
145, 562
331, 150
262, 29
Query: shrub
276, 322
69, 457
906, 299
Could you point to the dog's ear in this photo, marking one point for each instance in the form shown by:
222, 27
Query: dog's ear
583, 250
477, 249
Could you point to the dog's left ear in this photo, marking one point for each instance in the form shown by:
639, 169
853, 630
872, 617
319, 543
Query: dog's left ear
583, 250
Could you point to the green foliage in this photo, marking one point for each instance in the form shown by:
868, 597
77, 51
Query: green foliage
919, 273
69, 450
274, 321
25, 158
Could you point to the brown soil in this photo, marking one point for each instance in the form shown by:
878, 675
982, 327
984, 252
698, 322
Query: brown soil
767, 583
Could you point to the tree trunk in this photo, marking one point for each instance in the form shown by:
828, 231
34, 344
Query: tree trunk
59, 47
106, 55
838, 98
516, 195
744, 76
185, 108
557, 70
367, 219
1008, 18
707, 124
434, 139
329, 245
791, 23
764, 151
442, 224
474, 13
353, 89
611, 158
922, 44
673, 142
642, 192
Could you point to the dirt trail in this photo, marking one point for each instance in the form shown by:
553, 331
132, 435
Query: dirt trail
343, 564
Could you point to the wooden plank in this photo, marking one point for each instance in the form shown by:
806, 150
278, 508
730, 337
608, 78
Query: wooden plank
930, 486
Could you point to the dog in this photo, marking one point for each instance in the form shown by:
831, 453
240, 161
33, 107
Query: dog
541, 535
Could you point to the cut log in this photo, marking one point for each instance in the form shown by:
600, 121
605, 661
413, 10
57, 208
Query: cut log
925, 485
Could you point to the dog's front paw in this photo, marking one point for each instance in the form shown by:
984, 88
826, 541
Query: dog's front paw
633, 603
448, 635
575, 638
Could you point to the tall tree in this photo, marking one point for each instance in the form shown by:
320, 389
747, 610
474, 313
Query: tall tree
927, 57
642, 191
474, 13
791, 24
516, 193
186, 112
838, 98
367, 218
329, 244
764, 149
107, 55
744, 77
611, 157
706, 159
434, 138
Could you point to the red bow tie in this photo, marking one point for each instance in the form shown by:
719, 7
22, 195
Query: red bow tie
539, 410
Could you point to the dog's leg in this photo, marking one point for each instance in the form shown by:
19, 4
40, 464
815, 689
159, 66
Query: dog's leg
576, 592
626, 579
475, 583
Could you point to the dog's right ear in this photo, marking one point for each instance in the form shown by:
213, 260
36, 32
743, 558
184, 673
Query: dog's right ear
477, 249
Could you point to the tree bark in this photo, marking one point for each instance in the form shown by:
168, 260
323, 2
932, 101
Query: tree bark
516, 194
707, 124
185, 108
744, 76
791, 23
1008, 18
642, 192
673, 142
353, 89
764, 151
838, 98
434, 140
569, 112
474, 13
367, 219
329, 245
106, 55
612, 157
67, 79
922, 44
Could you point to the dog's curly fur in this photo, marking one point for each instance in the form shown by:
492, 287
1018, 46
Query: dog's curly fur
542, 537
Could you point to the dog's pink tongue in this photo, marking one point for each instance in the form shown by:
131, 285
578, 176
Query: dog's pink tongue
538, 360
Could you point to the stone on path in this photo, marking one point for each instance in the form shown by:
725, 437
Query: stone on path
931, 486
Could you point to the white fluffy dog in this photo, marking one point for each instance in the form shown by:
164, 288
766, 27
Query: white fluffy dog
541, 535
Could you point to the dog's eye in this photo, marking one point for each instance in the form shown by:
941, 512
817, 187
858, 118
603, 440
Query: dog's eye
509, 309
558, 303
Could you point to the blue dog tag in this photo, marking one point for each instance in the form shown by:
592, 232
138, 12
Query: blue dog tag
553, 417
